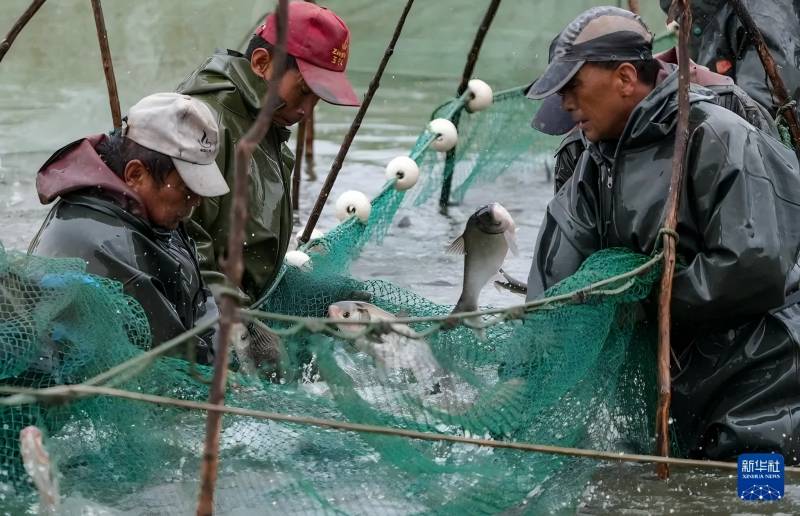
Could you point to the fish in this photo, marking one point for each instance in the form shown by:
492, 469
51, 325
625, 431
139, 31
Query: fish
511, 284
401, 348
489, 235
37, 464
258, 350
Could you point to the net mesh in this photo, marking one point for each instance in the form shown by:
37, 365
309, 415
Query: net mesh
575, 372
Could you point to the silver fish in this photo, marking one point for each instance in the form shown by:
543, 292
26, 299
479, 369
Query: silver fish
511, 284
399, 349
489, 235
37, 464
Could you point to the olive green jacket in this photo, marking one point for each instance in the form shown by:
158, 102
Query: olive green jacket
227, 84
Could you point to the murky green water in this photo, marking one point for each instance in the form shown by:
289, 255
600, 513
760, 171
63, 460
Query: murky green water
52, 91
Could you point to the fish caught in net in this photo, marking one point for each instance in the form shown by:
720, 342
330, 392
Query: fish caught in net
574, 370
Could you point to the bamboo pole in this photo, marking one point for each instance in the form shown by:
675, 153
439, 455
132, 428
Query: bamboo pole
23, 20
669, 236
466, 75
477, 43
309, 147
354, 127
298, 164
108, 67
778, 87
234, 267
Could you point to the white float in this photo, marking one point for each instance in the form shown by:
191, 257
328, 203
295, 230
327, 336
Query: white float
404, 171
352, 203
482, 96
447, 134
297, 259
315, 234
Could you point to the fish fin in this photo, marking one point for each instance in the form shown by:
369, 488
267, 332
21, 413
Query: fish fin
511, 240
457, 247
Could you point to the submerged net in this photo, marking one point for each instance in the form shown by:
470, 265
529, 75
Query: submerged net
575, 370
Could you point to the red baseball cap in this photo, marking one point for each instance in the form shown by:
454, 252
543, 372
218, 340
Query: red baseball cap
320, 43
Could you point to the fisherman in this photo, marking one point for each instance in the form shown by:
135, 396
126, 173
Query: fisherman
720, 42
233, 86
551, 119
121, 200
735, 312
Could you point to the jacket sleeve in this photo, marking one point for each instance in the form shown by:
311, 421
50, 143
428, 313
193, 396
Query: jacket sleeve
567, 236
110, 254
747, 229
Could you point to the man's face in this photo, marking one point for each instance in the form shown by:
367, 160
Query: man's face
299, 99
167, 204
595, 98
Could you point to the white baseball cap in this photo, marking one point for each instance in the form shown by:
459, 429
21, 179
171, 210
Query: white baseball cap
184, 129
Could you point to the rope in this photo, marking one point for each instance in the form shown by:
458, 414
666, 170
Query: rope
64, 393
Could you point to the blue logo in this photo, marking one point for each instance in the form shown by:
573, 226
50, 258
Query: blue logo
760, 477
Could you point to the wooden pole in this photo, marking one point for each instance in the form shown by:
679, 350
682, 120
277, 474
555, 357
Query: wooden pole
108, 67
633, 6
348, 139
298, 164
466, 75
234, 267
18, 26
778, 87
309, 147
669, 236
477, 43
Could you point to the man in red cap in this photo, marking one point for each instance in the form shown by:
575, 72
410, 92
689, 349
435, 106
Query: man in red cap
233, 85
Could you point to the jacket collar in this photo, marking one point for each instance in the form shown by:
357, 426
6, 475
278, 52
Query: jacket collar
237, 75
656, 115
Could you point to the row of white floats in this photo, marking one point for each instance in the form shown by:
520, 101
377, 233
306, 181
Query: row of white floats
402, 169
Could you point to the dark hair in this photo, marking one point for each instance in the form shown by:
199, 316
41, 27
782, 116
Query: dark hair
647, 69
258, 42
116, 151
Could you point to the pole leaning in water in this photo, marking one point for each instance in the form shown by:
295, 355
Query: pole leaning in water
670, 237
18, 26
466, 75
778, 87
108, 67
298, 164
234, 267
354, 127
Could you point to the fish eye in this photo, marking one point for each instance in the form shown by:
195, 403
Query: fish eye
346, 315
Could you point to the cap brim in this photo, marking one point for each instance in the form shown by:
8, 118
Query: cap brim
555, 76
204, 180
551, 118
332, 87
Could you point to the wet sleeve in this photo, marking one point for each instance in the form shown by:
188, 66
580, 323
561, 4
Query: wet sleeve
740, 268
566, 238
566, 161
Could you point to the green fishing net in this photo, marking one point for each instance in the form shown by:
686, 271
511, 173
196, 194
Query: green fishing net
576, 371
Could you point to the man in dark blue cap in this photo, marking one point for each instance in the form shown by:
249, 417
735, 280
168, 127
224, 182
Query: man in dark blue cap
736, 321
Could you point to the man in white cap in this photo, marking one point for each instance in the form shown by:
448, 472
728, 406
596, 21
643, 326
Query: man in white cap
120, 205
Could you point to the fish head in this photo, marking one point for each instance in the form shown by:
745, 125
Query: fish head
493, 219
351, 310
